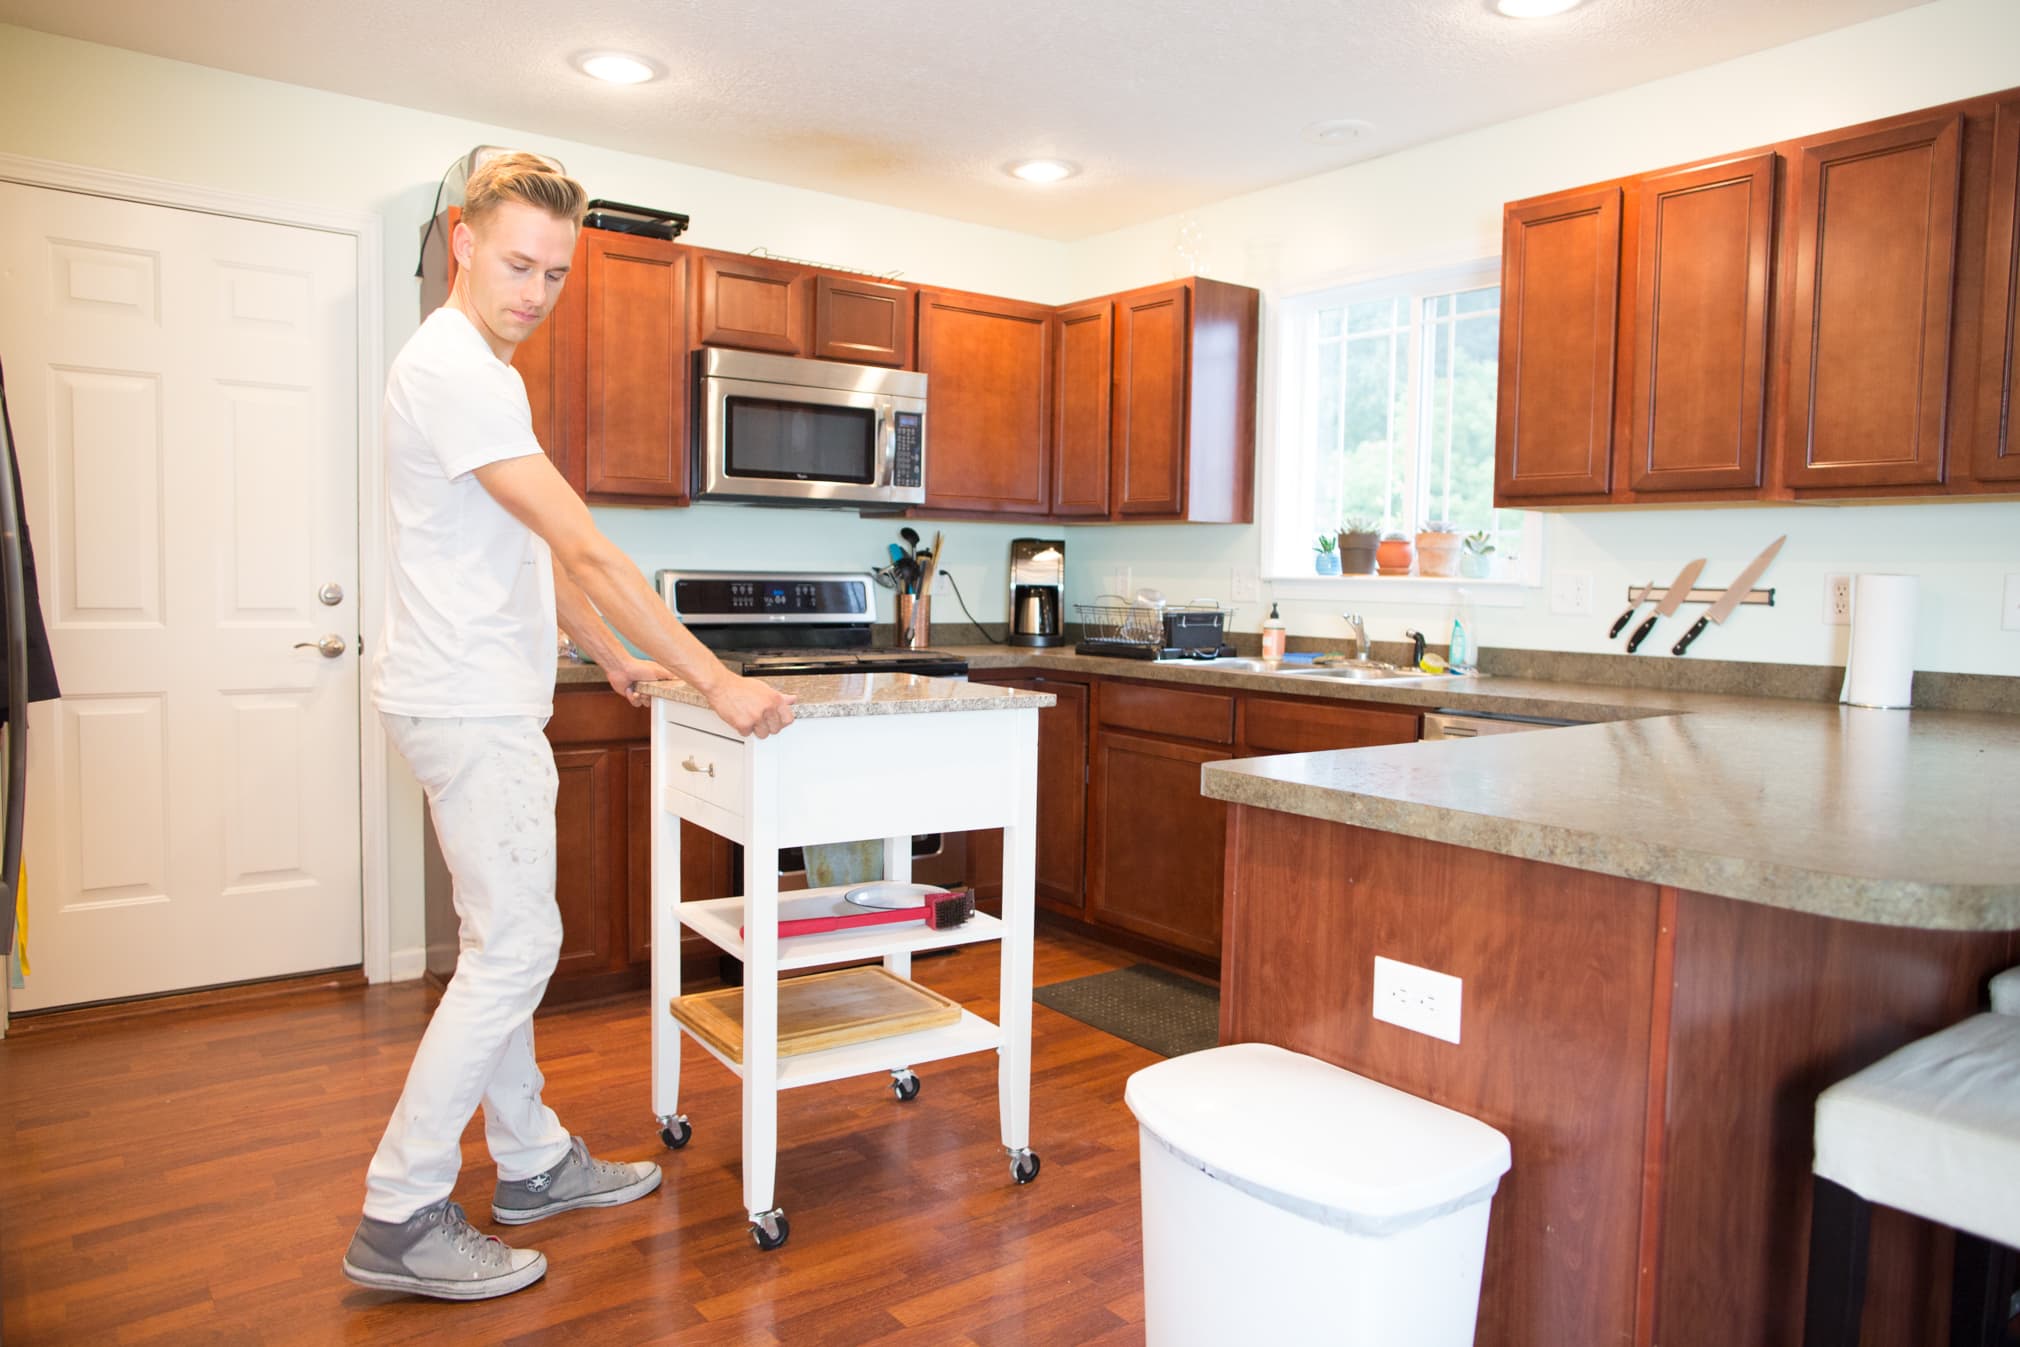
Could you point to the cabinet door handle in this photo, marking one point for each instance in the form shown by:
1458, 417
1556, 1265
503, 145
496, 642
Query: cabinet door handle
689, 764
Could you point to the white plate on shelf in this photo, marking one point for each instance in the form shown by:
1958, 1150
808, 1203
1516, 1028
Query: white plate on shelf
886, 895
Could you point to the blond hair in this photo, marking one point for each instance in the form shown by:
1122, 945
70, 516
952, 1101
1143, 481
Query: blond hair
525, 178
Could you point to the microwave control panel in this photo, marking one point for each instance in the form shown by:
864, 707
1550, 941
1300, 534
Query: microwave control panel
908, 467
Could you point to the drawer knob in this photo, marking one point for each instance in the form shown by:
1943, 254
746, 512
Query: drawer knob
691, 765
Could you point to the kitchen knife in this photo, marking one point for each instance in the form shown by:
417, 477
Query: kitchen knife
1672, 599
1734, 595
1639, 597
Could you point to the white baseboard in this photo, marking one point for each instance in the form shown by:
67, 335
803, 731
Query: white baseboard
407, 964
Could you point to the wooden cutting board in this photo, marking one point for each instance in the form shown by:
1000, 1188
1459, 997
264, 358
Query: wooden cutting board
821, 1010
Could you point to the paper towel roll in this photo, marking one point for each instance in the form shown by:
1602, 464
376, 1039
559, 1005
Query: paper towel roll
1880, 669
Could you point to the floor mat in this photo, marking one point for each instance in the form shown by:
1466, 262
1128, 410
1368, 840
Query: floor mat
1151, 1007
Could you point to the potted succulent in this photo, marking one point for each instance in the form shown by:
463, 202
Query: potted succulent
1473, 562
1438, 548
1395, 555
1358, 541
1328, 560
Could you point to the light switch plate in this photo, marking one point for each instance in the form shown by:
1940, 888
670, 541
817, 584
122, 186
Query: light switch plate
1418, 999
1571, 593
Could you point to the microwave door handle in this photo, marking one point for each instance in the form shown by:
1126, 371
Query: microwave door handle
887, 437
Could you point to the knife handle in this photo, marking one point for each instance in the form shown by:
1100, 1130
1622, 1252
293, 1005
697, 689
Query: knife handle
1641, 633
1689, 636
1620, 623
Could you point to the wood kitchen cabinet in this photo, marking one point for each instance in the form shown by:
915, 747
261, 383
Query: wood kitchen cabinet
1083, 337
1874, 216
988, 363
1062, 795
1702, 276
1182, 421
1560, 279
1996, 448
1831, 317
635, 413
751, 303
862, 321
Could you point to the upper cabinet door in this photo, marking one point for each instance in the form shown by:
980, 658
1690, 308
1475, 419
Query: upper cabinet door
750, 303
1147, 437
1875, 220
1996, 451
1080, 409
1700, 351
865, 322
636, 365
988, 365
1560, 289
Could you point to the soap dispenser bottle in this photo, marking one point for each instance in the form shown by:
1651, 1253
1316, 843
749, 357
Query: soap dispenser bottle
1274, 636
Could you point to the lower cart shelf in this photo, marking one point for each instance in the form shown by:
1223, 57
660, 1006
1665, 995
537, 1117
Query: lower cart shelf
971, 1033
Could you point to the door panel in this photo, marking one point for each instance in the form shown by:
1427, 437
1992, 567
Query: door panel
1560, 287
989, 363
1080, 410
750, 303
1156, 848
1996, 451
184, 394
1875, 219
589, 822
865, 322
637, 370
1147, 438
1700, 366
1062, 799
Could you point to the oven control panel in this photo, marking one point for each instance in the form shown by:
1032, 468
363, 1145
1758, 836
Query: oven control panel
709, 598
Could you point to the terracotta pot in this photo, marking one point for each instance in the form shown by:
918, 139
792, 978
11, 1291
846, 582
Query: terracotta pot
1438, 553
1357, 552
1394, 556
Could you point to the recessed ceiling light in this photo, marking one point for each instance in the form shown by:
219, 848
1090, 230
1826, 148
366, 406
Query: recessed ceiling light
616, 67
1534, 9
1337, 130
1041, 170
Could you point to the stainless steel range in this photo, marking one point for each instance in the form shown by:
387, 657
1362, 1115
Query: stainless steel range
779, 624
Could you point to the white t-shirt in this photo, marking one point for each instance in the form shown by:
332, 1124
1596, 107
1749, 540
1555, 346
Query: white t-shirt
470, 608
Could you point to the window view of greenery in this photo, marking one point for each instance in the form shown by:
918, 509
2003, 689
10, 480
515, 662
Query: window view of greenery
1402, 414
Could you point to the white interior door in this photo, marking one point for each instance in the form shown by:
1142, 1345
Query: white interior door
184, 392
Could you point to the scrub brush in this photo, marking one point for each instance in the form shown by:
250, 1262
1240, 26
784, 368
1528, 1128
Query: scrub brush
941, 911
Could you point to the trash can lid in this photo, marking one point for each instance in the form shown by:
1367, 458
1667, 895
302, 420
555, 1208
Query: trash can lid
1311, 1138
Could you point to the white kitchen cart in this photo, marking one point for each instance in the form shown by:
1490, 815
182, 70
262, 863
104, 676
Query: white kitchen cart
870, 755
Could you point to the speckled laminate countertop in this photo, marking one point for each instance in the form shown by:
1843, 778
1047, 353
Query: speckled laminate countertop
1898, 817
829, 696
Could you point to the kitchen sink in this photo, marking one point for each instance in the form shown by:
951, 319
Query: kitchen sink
1356, 672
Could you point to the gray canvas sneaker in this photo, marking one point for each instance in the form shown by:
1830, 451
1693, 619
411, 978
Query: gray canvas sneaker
437, 1252
578, 1181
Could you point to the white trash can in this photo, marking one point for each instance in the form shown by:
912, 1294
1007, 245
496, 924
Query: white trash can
1288, 1201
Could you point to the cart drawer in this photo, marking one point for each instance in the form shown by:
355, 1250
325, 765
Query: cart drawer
706, 767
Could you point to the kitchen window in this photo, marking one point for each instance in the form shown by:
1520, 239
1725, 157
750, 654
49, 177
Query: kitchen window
1386, 413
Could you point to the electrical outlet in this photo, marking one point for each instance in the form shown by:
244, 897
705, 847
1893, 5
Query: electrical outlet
1417, 999
1571, 593
1838, 600
2009, 612
1246, 585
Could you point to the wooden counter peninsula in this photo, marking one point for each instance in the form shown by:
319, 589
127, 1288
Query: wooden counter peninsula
1673, 933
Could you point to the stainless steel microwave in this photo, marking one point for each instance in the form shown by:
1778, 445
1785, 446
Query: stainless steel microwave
777, 430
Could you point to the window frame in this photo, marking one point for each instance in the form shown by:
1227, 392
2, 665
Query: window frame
1286, 561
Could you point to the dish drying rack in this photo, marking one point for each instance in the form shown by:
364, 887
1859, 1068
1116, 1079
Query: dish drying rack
1115, 623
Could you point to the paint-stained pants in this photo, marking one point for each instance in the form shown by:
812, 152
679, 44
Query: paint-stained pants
491, 788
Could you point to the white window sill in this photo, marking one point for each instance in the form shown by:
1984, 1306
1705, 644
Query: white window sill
1511, 592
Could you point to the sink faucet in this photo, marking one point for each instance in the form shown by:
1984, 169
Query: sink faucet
1360, 635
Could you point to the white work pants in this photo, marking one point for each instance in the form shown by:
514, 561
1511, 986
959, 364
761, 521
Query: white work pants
491, 787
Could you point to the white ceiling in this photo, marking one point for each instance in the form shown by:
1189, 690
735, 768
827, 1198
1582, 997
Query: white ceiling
1166, 104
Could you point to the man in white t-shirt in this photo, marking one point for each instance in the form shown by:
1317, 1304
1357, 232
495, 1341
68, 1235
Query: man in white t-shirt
491, 549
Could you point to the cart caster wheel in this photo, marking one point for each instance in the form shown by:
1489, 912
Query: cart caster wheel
1024, 1166
770, 1230
676, 1133
905, 1085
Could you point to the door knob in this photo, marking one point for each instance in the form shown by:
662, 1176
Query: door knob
331, 645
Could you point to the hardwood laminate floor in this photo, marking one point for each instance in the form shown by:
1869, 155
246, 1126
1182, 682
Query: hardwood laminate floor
193, 1176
